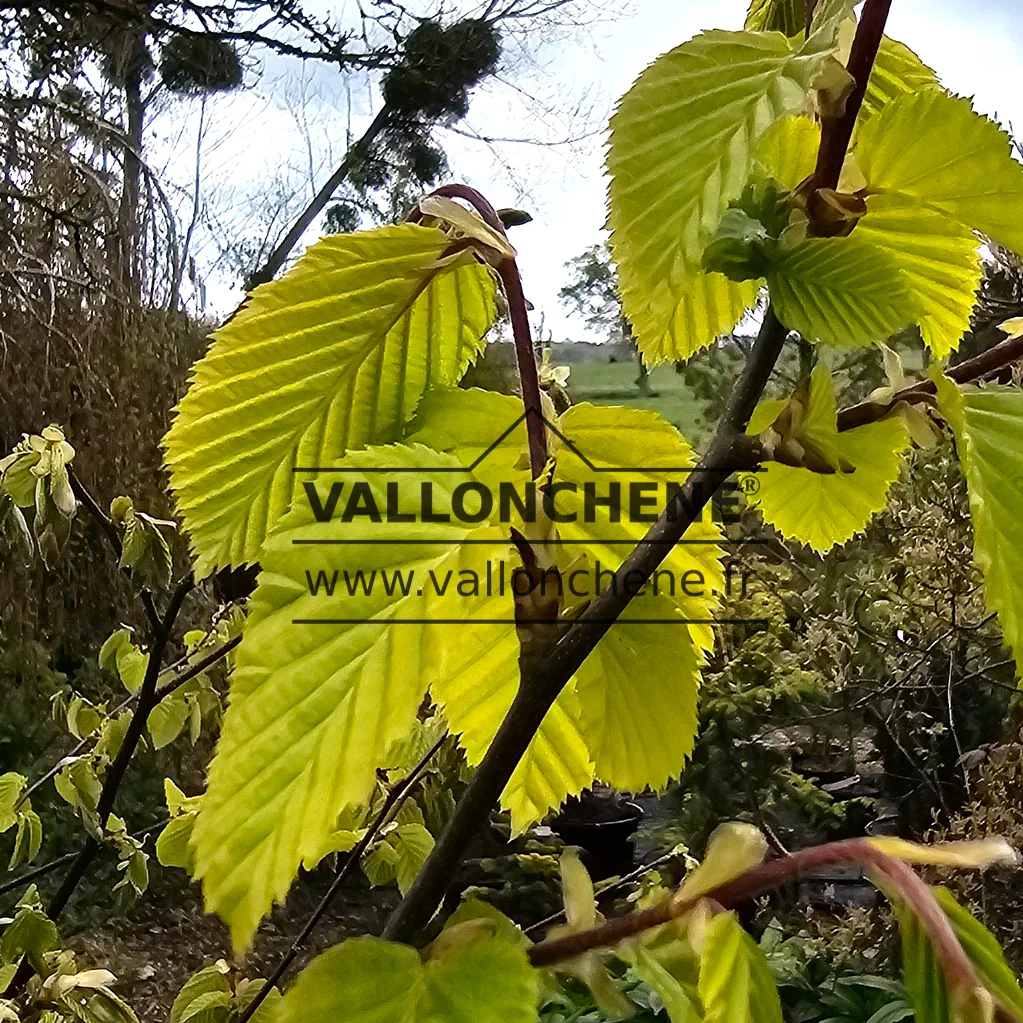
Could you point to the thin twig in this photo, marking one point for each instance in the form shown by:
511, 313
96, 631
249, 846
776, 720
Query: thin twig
196, 669
165, 690
633, 875
511, 281
105, 523
47, 868
836, 133
356, 151
393, 801
996, 358
132, 735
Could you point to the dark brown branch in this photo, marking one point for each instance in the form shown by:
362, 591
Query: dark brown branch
837, 133
112, 782
997, 357
394, 798
165, 690
547, 675
196, 669
356, 152
48, 868
529, 381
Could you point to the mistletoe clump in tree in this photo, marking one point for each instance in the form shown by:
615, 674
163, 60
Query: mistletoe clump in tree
822, 161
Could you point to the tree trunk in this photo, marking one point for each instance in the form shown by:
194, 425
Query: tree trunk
129, 228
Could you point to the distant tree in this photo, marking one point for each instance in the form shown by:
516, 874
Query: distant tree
592, 293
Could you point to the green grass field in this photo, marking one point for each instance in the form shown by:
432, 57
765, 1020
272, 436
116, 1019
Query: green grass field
614, 383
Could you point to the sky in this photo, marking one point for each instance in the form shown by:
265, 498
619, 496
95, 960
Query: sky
561, 88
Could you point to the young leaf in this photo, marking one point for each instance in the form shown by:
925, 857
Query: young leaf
399, 857
172, 847
983, 950
639, 724
333, 357
977, 854
897, 71
31, 933
28, 839
819, 509
839, 291
921, 971
732, 849
643, 456
314, 707
668, 964
205, 996
167, 720
11, 787
681, 149
988, 425
736, 985
940, 264
485, 979
976, 181
475, 679
120, 655
785, 16
580, 915
788, 150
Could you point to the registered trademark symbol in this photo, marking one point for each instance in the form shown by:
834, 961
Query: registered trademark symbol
749, 484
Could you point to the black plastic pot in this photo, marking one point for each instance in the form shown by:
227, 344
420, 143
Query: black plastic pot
603, 829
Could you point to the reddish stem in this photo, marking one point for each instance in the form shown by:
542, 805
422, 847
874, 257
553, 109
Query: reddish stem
959, 971
529, 379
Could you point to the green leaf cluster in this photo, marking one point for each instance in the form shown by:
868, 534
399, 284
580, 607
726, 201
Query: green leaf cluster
16, 814
35, 475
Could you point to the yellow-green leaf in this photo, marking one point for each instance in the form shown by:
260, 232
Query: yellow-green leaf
398, 857
173, 847
839, 291
682, 148
667, 963
204, 997
621, 701
934, 150
988, 424
333, 357
736, 985
167, 720
323, 686
643, 455
939, 260
977, 855
484, 979
119, 654
788, 150
984, 951
785, 16
822, 510
732, 849
12, 785
475, 677
897, 71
